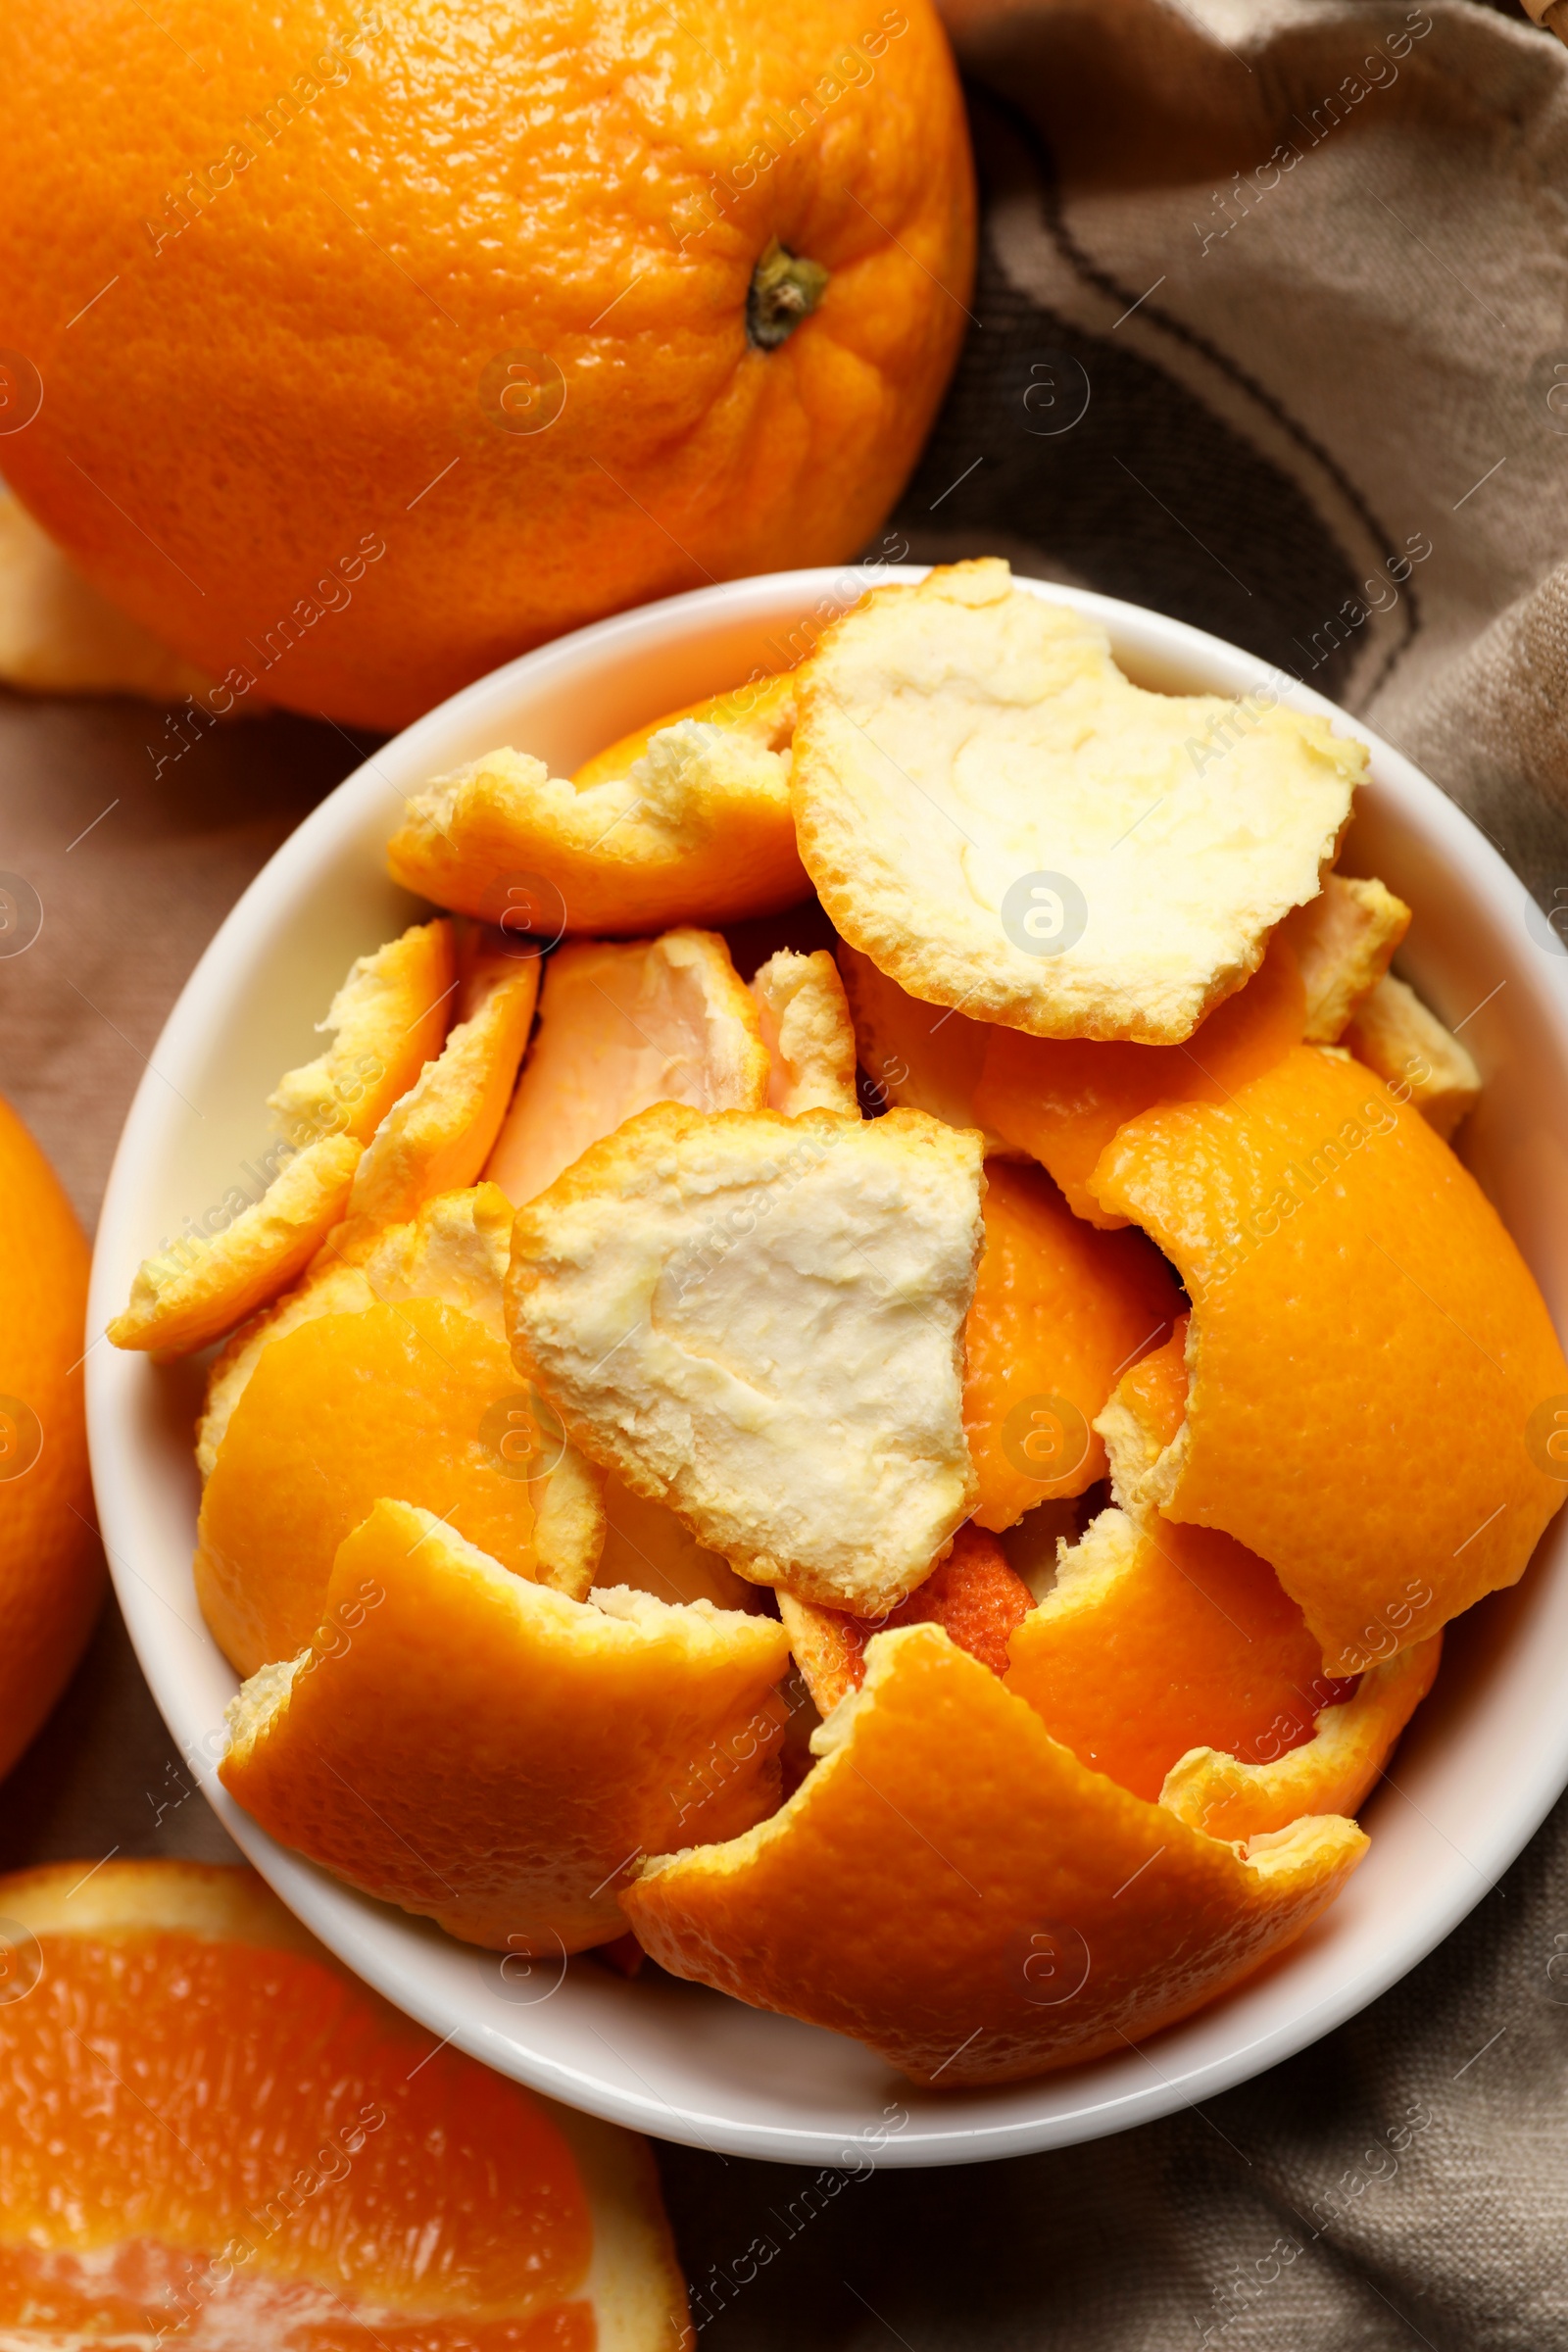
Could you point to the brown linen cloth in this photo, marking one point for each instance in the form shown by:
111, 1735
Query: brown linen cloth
1267, 334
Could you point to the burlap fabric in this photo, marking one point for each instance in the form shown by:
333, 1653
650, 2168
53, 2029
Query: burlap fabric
1268, 334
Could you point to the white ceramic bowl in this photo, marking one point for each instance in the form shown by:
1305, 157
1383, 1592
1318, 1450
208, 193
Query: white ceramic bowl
1486, 1757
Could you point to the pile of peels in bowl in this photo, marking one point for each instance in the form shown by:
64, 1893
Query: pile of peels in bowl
869, 1371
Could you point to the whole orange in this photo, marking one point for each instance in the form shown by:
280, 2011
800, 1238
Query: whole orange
354, 349
50, 1567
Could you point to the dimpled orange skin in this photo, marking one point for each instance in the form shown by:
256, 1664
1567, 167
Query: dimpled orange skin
495, 1765
1058, 1308
51, 1569
1367, 1351
1154, 1388
287, 415
163, 2092
951, 1887
1197, 1645
1061, 1100
340, 1412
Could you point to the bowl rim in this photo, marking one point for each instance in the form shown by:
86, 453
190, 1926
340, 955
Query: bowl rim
382, 1946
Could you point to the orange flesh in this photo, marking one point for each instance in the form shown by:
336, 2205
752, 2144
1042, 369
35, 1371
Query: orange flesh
1063, 1100
1058, 1311
195, 2133
1199, 1646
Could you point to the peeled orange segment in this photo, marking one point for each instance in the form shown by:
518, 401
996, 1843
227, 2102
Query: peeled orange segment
1005, 824
1058, 1311
951, 1887
972, 1594
695, 826
1394, 1034
920, 1056
492, 1755
762, 710
1142, 1421
212, 2134
1063, 1100
1357, 1310
1158, 1639
1335, 1770
1344, 941
758, 1320
807, 1029
647, 1548
621, 1028
414, 1400
387, 1020
437, 1137
455, 1250
186, 1298
57, 635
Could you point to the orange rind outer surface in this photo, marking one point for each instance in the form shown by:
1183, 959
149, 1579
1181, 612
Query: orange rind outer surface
386, 1021
1332, 1772
212, 2130
1141, 1419
492, 1755
954, 1889
1159, 1639
51, 1568
414, 1399
763, 709
694, 828
1373, 1374
1061, 1100
437, 1137
1059, 1309
174, 1308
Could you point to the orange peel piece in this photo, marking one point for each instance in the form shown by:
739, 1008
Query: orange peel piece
175, 1308
687, 820
920, 1056
1004, 823
623, 1027
1358, 1308
416, 1398
437, 1137
386, 1021
1156, 1640
647, 1548
973, 1594
493, 1755
1344, 942
1143, 1419
1332, 1772
759, 1321
1394, 1034
1063, 1100
951, 1887
806, 1026
1059, 1309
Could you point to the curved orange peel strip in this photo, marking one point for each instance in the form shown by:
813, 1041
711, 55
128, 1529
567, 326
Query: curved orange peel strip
1394, 1034
439, 1134
1344, 942
624, 1026
920, 1056
1369, 1355
1059, 1309
387, 1020
175, 1308
973, 1594
1141, 1420
1063, 1100
1332, 1772
415, 1399
254, 2137
1159, 1639
805, 1027
493, 1755
687, 820
951, 1887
